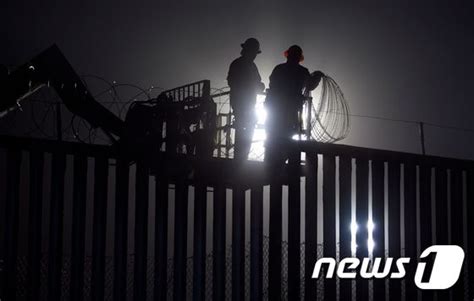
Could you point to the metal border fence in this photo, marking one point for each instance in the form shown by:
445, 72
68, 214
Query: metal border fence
72, 211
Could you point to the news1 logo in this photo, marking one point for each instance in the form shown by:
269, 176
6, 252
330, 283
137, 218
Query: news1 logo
439, 267
444, 270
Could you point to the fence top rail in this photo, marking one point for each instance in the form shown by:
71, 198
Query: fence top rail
47, 145
309, 147
312, 147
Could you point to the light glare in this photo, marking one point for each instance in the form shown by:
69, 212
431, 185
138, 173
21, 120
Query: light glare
370, 239
354, 227
257, 148
260, 110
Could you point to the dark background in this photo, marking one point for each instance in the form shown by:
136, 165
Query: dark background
401, 60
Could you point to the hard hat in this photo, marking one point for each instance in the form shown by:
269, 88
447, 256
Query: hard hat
294, 51
251, 44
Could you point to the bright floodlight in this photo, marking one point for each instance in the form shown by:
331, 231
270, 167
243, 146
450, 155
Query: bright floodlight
259, 135
260, 110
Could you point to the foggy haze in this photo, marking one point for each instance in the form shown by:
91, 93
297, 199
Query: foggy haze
400, 61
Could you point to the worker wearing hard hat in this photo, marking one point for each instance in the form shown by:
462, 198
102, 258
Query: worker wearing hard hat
245, 82
285, 99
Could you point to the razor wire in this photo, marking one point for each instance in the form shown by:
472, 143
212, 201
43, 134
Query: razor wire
327, 116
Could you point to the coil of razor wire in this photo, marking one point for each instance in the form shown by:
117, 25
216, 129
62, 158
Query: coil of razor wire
329, 117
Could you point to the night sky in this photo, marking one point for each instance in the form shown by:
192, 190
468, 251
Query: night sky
396, 60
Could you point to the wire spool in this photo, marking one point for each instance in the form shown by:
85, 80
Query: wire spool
329, 116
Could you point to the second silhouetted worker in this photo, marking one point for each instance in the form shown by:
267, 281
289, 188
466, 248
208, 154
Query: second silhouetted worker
284, 101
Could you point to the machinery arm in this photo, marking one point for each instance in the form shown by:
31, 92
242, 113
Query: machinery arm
51, 68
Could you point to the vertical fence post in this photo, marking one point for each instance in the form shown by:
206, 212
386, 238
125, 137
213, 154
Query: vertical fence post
425, 215
121, 222
238, 243
441, 206
256, 244
101, 169
457, 227
56, 226
362, 216
409, 186
218, 243
311, 225
78, 227
441, 224
199, 252
378, 217
329, 228
345, 218
274, 260
470, 229
180, 240
141, 231
294, 226
10, 225
34, 224
161, 240
394, 222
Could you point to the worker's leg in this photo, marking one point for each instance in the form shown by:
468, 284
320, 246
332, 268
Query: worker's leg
244, 126
275, 142
280, 128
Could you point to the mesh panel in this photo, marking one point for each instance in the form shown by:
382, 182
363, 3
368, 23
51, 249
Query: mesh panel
108, 285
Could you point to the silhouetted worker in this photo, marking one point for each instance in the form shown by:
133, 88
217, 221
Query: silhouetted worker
244, 82
283, 103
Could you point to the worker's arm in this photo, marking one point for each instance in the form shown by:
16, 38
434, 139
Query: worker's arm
259, 85
313, 80
231, 75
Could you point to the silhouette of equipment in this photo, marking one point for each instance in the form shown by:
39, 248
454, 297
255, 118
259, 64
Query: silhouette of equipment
50, 68
179, 121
